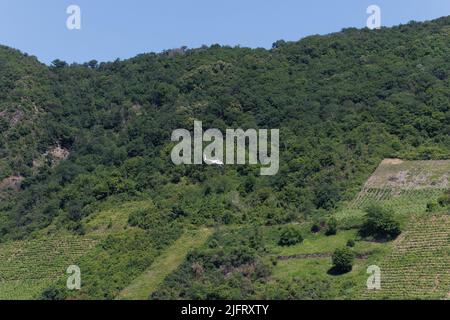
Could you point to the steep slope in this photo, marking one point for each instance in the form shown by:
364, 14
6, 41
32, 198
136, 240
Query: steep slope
79, 140
25, 97
144, 285
343, 101
414, 266
419, 266
29, 267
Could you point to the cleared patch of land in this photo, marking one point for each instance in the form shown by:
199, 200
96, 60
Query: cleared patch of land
167, 262
397, 174
406, 187
321, 244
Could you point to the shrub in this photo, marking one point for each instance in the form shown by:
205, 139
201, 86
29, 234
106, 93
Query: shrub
444, 201
315, 228
351, 243
433, 206
148, 218
331, 227
52, 294
177, 212
380, 224
142, 218
343, 260
290, 236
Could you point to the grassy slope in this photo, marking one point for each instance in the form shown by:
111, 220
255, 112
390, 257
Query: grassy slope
144, 285
413, 267
312, 260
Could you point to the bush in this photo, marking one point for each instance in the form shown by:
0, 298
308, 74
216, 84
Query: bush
444, 201
351, 243
331, 227
148, 218
380, 224
290, 236
52, 294
343, 260
433, 207
315, 228
142, 218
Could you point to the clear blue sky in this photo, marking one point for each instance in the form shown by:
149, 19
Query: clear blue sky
123, 28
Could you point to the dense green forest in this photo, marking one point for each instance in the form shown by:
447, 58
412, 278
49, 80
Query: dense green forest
76, 139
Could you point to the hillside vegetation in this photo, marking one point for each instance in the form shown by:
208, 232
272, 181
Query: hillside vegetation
85, 151
414, 266
148, 282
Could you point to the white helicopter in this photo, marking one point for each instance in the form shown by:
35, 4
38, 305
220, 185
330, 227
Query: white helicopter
212, 161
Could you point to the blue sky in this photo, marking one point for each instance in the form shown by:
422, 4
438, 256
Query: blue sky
123, 28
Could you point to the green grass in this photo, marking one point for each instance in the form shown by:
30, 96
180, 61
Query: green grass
167, 262
110, 256
311, 260
319, 243
403, 203
347, 286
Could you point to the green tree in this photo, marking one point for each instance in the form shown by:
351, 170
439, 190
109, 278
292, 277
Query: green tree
343, 260
380, 224
290, 236
332, 226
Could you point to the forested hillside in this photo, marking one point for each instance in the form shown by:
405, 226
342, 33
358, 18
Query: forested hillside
80, 140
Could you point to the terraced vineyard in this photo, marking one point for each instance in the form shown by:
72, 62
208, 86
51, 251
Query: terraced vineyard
406, 187
419, 265
401, 201
27, 267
